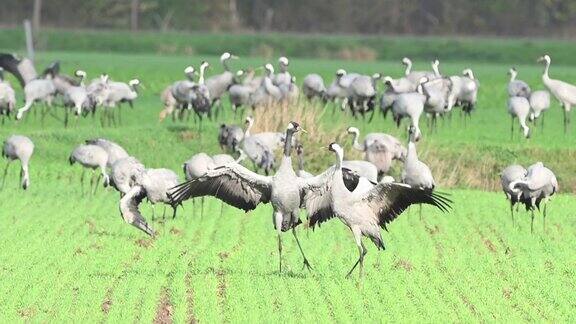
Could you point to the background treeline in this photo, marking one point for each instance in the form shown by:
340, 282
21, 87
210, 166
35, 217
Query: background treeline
421, 17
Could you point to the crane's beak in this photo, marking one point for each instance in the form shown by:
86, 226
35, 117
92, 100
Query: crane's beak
234, 57
540, 59
303, 130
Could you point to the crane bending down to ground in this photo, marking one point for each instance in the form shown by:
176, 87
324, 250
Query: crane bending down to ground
364, 210
18, 147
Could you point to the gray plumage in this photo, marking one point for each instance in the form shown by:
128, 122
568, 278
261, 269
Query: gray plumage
124, 174
18, 147
362, 93
244, 189
517, 88
519, 107
197, 166
120, 92
7, 96
268, 92
283, 77
416, 173
115, 151
539, 103
153, 184
23, 69
537, 187
220, 83
510, 174
366, 209
229, 136
562, 91
290, 91
411, 105
37, 90
464, 93
380, 149
415, 76
313, 86
91, 157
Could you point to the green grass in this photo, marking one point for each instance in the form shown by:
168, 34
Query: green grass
68, 256
481, 49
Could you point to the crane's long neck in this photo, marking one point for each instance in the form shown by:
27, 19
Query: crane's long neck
412, 155
225, 65
436, 69
512, 76
408, 67
247, 131
288, 142
546, 76
25, 174
339, 159
300, 161
355, 144
201, 77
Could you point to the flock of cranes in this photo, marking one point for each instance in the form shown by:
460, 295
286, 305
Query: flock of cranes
360, 193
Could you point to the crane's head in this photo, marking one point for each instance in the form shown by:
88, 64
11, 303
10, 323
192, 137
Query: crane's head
340, 73
336, 148
240, 73
249, 120
204, 65
80, 73
376, 76
353, 130
134, 82
269, 68
435, 63
295, 127
406, 61
104, 78
544, 59
387, 80
189, 70
512, 72
413, 134
226, 56
299, 149
283, 60
468, 73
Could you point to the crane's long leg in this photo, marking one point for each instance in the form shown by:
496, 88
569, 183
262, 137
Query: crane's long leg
278, 226
420, 211
512, 128
532, 222
306, 263
542, 123
362, 251
512, 212
82, 180
544, 214
164, 213
565, 121
201, 207
221, 209
96, 183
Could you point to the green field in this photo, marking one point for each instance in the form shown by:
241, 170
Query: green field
68, 256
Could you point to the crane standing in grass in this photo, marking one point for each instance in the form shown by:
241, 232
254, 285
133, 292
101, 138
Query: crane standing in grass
364, 210
91, 157
562, 91
244, 189
510, 174
18, 147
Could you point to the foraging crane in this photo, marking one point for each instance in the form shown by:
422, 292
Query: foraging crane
411, 105
437, 96
37, 90
229, 136
91, 156
23, 69
7, 96
240, 94
244, 189
379, 149
510, 174
519, 107
562, 91
362, 93
517, 88
115, 151
537, 187
153, 184
539, 103
313, 87
124, 174
365, 210
467, 92
18, 147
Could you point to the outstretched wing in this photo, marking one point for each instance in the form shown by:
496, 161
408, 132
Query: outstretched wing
231, 183
389, 200
130, 212
10, 63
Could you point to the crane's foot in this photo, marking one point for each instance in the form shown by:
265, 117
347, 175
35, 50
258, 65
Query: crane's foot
307, 265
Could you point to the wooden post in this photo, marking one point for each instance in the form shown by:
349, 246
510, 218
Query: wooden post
134, 12
36, 15
29, 39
